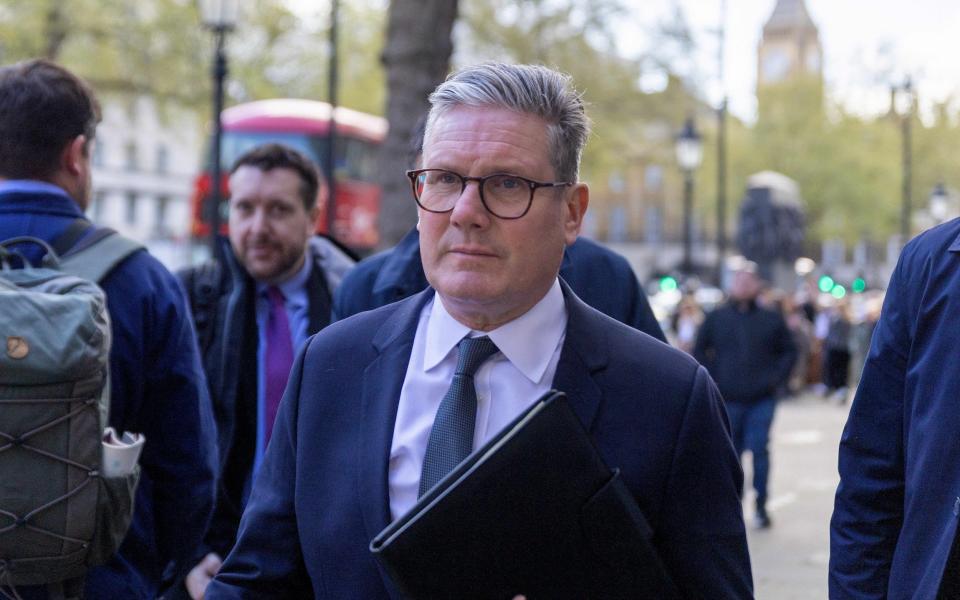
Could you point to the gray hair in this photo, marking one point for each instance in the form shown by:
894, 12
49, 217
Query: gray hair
530, 89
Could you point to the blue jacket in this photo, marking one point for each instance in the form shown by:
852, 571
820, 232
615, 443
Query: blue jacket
158, 389
321, 494
897, 505
600, 277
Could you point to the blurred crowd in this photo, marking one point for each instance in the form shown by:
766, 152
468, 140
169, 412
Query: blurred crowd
832, 335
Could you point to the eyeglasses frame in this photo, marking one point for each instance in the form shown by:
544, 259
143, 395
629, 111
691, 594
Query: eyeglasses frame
464, 180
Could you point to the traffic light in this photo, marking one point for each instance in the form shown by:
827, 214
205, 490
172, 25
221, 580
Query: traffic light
859, 285
838, 291
668, 284
826, 284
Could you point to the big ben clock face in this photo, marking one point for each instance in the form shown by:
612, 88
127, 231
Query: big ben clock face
776, 65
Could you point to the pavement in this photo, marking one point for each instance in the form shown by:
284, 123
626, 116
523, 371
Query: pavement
790, 559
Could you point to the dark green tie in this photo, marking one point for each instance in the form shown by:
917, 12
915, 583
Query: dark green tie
451, 439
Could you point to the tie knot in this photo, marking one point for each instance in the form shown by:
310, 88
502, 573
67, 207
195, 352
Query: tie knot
275, 296
473, 351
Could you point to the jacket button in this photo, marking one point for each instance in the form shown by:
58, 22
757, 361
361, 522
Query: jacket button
956, 507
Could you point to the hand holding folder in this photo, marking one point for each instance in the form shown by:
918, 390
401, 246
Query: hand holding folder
534, 511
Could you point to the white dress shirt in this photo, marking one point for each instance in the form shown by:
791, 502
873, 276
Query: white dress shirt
506, 384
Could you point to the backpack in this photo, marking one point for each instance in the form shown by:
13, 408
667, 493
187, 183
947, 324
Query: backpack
58, 515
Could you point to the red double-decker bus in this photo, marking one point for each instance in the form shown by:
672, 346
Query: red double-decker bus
305, 125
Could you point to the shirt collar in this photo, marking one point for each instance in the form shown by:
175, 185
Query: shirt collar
293, 289
544, 325
31, 186
20, 194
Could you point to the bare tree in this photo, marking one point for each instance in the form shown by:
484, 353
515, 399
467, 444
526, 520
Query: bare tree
416, 58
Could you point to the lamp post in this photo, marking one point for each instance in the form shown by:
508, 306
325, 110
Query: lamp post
903, 103
329, 166
219, 16
689, 155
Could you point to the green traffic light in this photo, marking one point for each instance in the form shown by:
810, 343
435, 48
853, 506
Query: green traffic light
668, 284
859, 285
826, 284
838, 291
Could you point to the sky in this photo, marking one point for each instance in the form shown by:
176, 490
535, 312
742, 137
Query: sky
867, 44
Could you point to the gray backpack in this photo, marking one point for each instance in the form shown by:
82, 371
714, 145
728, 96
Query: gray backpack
58, 515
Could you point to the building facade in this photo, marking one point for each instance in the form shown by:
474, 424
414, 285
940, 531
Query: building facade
145, 159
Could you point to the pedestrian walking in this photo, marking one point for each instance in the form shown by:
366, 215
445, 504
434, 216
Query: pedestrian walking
894, 528
268, 289
363, 425
48, 121
750, 353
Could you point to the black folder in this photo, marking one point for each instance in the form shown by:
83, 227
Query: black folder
535, 511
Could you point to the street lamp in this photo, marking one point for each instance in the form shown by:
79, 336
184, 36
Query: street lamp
902, 99
689, 156
219, 16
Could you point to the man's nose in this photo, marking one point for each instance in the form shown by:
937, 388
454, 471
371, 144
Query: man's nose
258, 220
469, 210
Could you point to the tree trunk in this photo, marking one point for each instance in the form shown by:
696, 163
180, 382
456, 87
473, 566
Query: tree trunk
55, 29
416, 59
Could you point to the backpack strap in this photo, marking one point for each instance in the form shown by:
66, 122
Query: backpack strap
64, 242
97, 253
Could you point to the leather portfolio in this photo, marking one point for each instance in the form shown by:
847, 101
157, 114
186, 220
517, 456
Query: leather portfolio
535, 511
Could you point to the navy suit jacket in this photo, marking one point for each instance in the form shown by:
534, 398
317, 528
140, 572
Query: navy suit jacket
898, 501
322, 493
599, 276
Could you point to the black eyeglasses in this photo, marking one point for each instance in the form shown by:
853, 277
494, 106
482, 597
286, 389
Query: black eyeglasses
503, 195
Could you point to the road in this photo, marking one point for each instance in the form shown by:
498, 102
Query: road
790, 559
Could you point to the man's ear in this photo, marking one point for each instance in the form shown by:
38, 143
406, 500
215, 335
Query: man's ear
72, 159
576, 203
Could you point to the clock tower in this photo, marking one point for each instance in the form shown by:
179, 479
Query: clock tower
790, 46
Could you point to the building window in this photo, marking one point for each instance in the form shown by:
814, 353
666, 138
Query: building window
130, 157
130, 214
163, 159
160, 221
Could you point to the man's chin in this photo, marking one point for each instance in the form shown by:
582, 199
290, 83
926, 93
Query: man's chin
265, 272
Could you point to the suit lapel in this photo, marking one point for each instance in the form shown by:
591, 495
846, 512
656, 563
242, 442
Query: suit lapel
383, 379
582, 357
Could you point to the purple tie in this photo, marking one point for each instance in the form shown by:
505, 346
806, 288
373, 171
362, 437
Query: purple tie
279, 357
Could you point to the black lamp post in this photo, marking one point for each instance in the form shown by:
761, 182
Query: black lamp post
330, 164
903, 103
689, 156
219, 16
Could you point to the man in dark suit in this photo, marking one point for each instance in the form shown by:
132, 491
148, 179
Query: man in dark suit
894, 527
373, 414
268, 290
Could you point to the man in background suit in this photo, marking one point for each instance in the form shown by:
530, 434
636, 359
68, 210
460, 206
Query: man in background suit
366, 417
895, 521
268, 290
